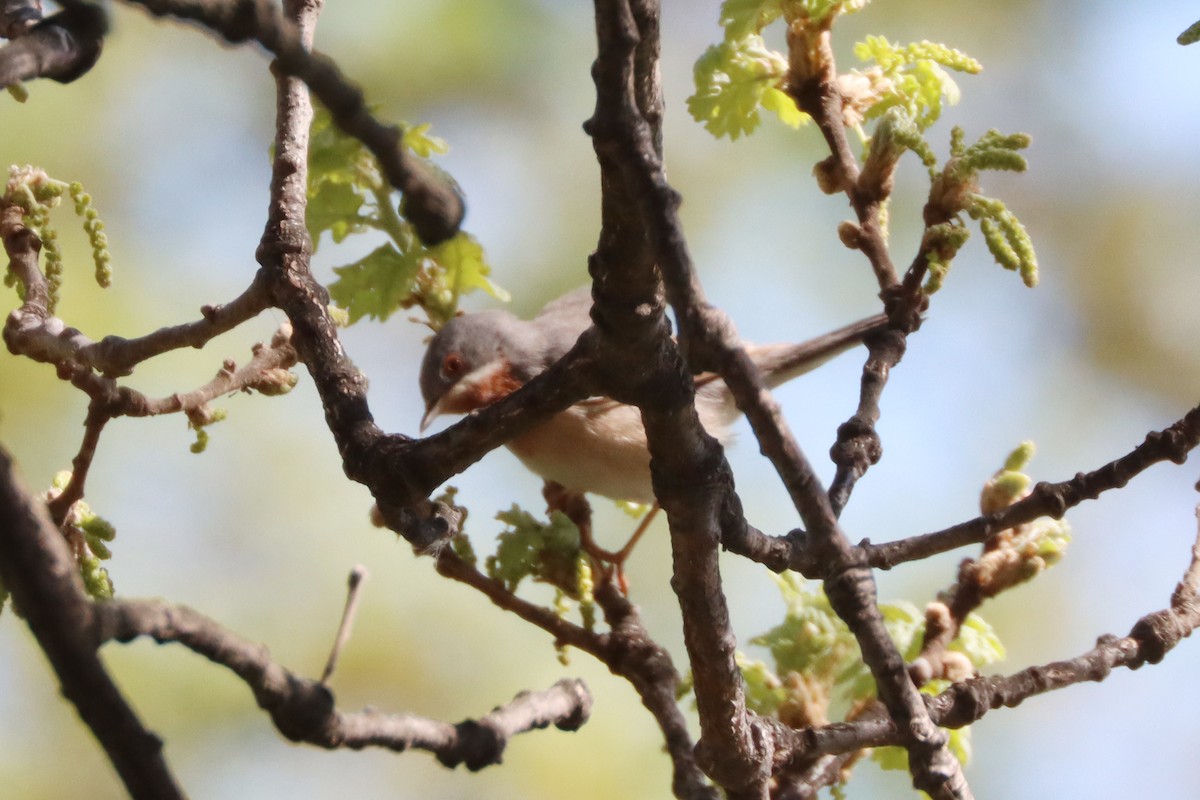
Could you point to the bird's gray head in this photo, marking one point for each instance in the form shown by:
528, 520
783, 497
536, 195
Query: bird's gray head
475, 360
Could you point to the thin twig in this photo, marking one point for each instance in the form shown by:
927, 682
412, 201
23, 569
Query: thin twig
1173, 443
346, 625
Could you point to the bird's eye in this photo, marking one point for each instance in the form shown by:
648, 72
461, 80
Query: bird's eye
452, 365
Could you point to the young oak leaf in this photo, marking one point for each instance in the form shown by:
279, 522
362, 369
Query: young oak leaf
733, 79
377, 284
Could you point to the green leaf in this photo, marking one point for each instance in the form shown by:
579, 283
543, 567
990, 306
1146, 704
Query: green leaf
818, 10
744, 17
348, 195
376, 285
977, 640
781, 104
334, 207
732, 79
530, 548
462, 259
914, 76
332, 155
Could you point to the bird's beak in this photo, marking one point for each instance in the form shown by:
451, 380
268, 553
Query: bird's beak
431, 413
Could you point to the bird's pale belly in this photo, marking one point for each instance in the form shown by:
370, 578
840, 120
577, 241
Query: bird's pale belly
597, 446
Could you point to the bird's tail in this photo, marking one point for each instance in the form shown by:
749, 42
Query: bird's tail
779, 363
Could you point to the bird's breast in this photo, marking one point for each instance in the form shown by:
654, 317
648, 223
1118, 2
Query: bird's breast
597, 446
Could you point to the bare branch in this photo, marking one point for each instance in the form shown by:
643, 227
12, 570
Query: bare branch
303, 710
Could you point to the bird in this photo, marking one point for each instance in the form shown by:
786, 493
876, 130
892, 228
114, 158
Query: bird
598, 445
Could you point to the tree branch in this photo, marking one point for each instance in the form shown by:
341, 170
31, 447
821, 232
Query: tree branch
642, 366
303, 710
1048, 499
62, 47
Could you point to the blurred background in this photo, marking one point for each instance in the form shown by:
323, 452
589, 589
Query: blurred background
170, 135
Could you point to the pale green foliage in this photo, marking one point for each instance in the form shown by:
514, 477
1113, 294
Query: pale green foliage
347, 194
977, 640
813, 641
733, 79
743, 17
820, 10
741, 74
548, 552
88, 535
914, 77
37, 193
740, 17
817, 663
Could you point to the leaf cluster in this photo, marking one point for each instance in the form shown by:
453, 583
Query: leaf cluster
547, 552
740, 75
817, 671
913, 77
735, 78
347, 194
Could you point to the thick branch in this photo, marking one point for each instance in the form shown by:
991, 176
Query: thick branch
641, 366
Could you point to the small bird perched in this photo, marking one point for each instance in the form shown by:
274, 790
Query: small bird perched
597, 445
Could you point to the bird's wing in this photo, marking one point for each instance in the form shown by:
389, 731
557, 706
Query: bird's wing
576, 304
561, 322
